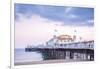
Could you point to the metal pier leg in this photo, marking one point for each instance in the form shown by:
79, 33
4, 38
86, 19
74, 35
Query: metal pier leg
71, 54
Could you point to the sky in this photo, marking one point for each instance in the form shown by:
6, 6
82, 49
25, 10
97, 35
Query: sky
35, 24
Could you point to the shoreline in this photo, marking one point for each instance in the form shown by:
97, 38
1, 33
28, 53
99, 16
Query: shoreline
48, 61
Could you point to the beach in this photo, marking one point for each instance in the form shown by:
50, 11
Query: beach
48, 61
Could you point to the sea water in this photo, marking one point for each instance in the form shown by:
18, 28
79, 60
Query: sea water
21, 56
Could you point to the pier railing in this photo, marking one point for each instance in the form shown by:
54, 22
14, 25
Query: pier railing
76, 45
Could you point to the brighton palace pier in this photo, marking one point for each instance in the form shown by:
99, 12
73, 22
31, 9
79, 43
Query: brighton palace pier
65, 47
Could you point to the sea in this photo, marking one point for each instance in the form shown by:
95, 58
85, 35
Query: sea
21, 56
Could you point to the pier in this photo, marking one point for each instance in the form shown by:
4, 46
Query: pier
75, 51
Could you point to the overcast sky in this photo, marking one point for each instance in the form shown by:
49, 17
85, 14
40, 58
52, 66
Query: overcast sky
35, 24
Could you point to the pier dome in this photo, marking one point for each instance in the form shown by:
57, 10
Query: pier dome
61, 39
64, 37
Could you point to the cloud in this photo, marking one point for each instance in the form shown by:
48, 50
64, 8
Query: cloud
68, 10
90, 21
72, 16
67, 15
37, 30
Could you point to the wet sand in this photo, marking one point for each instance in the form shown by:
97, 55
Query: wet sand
46, 62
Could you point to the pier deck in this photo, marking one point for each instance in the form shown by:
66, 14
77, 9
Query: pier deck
76, 45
